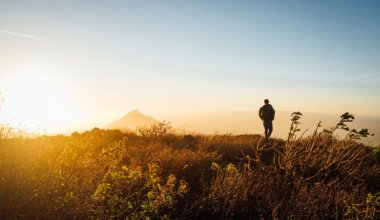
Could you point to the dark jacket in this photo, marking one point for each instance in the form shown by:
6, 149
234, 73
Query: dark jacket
266, 112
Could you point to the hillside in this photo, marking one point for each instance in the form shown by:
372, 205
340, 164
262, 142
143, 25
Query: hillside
108, 174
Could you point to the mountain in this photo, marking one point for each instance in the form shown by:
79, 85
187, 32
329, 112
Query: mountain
131, 121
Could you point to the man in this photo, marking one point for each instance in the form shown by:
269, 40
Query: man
266, 114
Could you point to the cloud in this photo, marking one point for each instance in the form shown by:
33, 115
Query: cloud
12, 33
365, 75
350, 78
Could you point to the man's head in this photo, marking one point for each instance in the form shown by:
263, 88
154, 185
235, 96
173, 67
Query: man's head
266, 101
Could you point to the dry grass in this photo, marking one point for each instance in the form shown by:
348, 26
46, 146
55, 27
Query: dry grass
107, 174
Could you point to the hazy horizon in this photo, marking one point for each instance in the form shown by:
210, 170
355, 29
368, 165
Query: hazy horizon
230, 122
177, 119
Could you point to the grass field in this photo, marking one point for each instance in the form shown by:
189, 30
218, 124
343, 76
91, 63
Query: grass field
155, 174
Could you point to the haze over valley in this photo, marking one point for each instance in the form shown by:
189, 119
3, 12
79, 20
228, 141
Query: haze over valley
243, 122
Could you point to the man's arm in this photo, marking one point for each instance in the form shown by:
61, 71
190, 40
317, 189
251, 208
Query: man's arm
261, 113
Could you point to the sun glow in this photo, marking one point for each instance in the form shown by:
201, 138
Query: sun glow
35, 100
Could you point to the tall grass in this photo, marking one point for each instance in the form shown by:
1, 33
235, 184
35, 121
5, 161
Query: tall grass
155, 174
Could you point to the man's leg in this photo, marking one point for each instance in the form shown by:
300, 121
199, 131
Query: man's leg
266, 131
270, 129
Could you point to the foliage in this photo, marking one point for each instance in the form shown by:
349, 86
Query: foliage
368, 209
296, 117
131, 193
352, 134
154, 174
156, 130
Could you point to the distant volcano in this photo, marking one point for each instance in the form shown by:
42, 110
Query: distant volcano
131, 121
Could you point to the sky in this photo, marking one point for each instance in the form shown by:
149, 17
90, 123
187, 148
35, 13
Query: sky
72, 64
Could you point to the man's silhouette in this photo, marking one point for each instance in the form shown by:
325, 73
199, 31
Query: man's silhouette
266, 114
